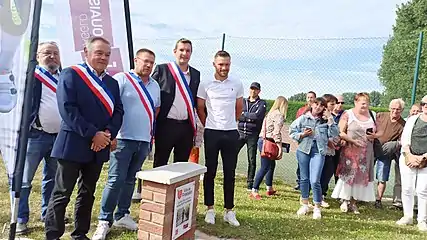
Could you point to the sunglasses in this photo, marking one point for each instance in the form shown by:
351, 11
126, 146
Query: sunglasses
423, 104
340, 102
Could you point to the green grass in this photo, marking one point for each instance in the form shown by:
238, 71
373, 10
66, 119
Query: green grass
270, 218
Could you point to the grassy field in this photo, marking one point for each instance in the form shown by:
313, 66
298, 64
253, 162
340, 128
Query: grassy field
270, 218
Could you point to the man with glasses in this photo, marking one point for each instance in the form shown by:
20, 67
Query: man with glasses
140, 95
45, 122
389, 128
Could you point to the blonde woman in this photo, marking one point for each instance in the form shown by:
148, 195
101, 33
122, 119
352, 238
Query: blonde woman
413, 169
271, 129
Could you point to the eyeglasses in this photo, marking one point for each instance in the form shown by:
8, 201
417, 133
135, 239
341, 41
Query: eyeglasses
423, 104
340, 102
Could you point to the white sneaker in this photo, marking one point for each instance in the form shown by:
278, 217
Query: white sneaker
136, 196
230, 217
8, 93
303, 210
422, 226
344, 206
126, 222
210, 216
324, 204
101, 231
405, 221
317, 213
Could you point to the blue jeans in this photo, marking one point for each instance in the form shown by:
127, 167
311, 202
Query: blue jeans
39, 147
311, 166
125, 162
267, 170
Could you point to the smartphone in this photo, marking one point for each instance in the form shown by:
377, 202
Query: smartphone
369, 131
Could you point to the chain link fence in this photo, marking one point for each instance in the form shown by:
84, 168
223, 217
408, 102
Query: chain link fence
286, 67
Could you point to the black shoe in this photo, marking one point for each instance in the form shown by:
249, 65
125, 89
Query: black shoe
296, 187
378, 204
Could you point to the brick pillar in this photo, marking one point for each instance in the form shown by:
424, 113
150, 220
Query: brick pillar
157, 206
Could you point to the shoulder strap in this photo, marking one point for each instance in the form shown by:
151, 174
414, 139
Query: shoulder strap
265, 126
372, 116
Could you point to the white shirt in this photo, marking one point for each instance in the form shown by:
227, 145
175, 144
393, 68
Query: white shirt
178, 109
220, 97
49, 116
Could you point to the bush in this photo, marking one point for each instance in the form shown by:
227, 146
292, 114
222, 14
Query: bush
294, 106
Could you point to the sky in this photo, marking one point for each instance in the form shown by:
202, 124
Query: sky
329, 46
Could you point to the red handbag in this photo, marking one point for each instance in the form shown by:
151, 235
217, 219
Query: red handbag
270, 149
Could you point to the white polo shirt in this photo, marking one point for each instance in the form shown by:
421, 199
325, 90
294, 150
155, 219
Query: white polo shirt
220, 97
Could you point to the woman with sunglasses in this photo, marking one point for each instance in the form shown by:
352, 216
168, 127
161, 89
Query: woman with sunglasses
413, 171
312, 131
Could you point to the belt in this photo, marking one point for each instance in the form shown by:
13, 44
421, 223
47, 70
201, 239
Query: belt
177, 121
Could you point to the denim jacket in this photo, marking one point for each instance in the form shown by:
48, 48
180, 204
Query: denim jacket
322, 132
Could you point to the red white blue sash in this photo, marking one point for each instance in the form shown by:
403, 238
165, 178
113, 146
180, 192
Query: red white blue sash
145, 97
185, 91
46, 78
96, 86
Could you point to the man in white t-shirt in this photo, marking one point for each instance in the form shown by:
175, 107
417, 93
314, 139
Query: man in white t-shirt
223, 98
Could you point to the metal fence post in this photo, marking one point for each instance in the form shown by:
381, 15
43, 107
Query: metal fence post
223, 42
417, 67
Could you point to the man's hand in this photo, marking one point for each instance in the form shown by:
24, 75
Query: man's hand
100, 140
113, 145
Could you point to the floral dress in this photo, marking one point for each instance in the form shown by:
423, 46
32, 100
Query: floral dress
356, 165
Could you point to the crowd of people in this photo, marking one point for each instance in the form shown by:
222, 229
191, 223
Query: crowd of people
82, 117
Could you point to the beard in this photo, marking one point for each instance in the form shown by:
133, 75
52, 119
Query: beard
52, 67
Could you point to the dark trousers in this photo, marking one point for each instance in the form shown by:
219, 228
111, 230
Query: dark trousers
68, 173
173, 134
336, 161
226, 142
328, 171
251, 146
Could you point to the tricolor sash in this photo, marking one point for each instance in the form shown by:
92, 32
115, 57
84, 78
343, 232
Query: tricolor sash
96, 86
185, 91
46, 78
145, 97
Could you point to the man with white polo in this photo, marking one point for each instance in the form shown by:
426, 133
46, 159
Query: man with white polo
223, 98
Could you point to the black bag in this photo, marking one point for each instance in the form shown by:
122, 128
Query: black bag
378, 148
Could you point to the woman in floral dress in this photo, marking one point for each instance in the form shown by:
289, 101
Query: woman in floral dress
356, 166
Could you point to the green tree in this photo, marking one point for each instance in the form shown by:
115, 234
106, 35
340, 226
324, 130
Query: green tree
398, 63
299, 97
375, 98
348, 98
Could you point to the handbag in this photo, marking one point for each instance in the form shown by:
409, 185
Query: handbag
378, 147
270, 150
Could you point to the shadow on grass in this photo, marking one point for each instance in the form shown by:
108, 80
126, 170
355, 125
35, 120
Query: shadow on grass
275, 218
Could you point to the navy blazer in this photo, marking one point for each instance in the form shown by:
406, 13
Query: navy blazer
83, 115
37, 95
167, 85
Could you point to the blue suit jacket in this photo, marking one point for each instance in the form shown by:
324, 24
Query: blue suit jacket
82, 116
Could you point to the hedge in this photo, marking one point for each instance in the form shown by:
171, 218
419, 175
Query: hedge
294, 106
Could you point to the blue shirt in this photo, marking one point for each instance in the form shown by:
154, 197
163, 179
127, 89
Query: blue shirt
136, 123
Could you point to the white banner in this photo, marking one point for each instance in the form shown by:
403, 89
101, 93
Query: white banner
15, 28
77, 20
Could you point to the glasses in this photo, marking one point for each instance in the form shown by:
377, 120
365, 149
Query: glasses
340, 102
423, 104
47, 53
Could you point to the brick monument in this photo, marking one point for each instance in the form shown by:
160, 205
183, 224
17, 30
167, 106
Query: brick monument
169, 201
